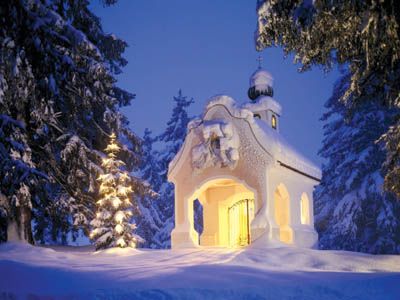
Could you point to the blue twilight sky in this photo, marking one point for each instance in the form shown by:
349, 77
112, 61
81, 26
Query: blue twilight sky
206, 48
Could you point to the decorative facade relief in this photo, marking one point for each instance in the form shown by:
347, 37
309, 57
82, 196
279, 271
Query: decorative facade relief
218, 147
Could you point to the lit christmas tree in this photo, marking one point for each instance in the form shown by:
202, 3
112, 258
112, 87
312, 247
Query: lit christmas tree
112, 227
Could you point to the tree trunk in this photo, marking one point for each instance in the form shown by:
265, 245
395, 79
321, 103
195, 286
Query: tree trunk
19, 226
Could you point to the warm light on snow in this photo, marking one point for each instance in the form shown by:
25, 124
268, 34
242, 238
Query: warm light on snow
121, 242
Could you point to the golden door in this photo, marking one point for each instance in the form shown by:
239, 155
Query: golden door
240, 215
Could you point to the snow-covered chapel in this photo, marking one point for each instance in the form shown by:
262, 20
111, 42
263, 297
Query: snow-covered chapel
250, 182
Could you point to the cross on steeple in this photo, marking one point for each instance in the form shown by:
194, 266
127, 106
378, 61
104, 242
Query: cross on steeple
259, 59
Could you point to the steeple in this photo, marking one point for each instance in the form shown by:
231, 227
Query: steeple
260, 83
260, 93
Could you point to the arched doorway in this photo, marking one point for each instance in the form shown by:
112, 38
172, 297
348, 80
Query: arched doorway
282, 213
228, 209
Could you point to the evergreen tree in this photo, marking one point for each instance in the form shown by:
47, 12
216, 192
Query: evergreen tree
18, 178
111, 226
352, 210
149, 221
365, 35
173, 138
57, 79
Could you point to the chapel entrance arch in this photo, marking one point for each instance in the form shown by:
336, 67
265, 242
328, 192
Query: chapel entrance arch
228, 209
282, 213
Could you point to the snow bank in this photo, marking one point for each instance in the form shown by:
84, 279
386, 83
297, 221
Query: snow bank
259, 272
274, 255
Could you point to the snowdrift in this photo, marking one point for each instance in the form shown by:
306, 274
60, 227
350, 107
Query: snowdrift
260, 271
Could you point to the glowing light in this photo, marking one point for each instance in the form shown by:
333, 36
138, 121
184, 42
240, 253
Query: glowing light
121, 243
124, 190
116, 202
119, 217
118, 228
106, 161
273, 122
240, 215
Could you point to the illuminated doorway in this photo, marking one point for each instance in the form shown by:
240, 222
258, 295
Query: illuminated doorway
226, 221
240, 215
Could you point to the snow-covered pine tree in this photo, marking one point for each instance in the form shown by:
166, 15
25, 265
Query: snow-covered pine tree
112, 226
18, 178
353, 212
173, 138
149, 221
57, 77
16, 166
363, 34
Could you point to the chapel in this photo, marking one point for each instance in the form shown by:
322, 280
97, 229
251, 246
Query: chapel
251, 183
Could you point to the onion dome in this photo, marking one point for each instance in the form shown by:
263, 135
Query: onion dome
260, 84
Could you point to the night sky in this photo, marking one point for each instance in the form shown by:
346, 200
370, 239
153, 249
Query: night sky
207, 48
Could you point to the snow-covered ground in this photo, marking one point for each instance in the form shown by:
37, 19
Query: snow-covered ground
258, 272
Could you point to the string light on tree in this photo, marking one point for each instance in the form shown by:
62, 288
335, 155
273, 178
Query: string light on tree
112, 227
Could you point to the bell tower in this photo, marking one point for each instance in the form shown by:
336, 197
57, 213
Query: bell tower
260, 92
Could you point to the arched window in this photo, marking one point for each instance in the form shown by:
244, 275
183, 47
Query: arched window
304, 209
282, 213
273, 122
257, 116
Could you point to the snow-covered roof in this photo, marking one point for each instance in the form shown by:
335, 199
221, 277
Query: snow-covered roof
264, 103
261, 78
269, 139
